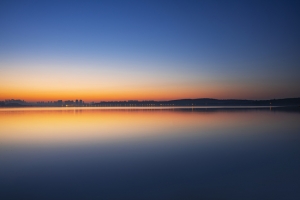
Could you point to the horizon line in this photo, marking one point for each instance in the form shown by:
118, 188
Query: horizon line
134, 100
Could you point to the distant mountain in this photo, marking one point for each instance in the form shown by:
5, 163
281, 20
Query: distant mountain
236, 102
207, 102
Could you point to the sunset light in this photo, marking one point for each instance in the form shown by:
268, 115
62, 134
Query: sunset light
149, 99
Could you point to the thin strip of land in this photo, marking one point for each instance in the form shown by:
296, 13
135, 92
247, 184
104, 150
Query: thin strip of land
295, 102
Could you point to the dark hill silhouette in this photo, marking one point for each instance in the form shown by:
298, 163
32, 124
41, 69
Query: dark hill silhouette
207, 102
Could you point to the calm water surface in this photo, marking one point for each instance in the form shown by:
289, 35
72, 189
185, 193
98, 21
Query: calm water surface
174, 153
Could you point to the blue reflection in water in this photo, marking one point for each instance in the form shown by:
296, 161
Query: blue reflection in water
264, 163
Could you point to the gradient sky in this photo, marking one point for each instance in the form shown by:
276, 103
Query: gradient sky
154, 50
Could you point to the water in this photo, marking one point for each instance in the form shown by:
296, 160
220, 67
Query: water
153, 153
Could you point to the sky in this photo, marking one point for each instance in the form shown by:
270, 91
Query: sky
149, 50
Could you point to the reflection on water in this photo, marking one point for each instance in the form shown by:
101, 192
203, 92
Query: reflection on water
174, 153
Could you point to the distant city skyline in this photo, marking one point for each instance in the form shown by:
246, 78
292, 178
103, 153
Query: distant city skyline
158, 50
290, 103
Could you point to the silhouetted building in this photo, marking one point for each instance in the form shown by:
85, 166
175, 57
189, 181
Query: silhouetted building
15, 101
69, 103
133, 101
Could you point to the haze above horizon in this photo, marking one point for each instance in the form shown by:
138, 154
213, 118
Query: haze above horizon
141, 50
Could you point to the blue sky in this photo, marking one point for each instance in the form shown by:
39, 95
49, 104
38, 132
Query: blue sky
225, 49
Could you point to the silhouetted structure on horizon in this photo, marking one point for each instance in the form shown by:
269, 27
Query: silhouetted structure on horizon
202, 102
136, 103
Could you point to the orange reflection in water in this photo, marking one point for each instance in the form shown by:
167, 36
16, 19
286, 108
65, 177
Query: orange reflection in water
81, 125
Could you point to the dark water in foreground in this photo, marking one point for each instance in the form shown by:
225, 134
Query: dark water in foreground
156, 154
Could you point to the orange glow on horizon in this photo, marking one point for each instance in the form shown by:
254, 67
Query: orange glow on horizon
64, 80
107, 94
31, 81
128, 94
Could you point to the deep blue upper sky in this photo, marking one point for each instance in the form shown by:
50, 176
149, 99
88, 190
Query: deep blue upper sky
218, 44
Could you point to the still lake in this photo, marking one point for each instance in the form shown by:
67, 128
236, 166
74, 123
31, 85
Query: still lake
149, 153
